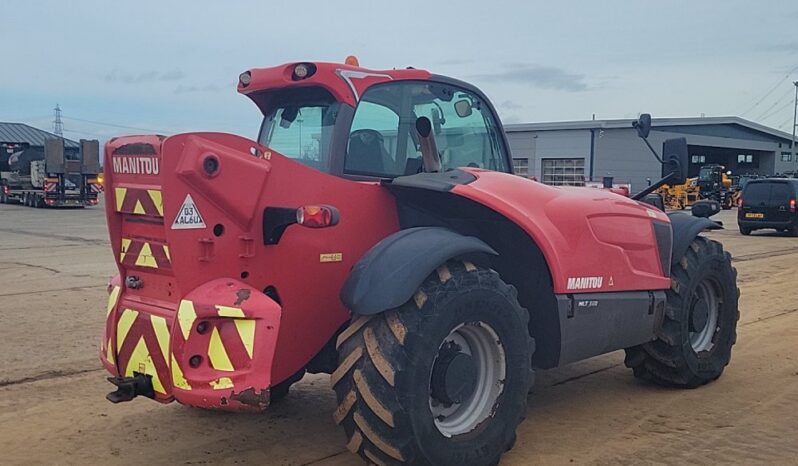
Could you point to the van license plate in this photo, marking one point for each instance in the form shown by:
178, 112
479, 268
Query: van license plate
754, 215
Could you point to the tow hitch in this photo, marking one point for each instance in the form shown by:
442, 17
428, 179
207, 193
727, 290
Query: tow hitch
128, 388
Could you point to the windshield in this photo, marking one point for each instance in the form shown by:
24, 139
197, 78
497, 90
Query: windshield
383, 141
705, 174
298, 123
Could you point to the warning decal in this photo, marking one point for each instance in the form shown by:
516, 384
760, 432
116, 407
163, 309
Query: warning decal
188, 217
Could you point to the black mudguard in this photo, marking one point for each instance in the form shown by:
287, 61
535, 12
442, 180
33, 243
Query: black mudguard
685, 229
389, 273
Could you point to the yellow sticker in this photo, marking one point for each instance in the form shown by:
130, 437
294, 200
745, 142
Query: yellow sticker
331, 257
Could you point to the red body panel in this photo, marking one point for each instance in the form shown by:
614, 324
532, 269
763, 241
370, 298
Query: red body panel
581, 232
179, 266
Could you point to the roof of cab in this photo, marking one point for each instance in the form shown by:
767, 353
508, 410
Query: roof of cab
346, 82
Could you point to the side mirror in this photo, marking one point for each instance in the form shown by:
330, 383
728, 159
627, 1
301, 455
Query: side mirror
288, 116
463, 108
436, 121
643, 125
675, 160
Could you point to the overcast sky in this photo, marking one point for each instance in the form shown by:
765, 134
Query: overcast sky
172, 66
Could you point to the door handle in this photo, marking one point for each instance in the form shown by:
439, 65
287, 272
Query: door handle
782, 209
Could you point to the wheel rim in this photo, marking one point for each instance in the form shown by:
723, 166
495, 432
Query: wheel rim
479, 351
704, 312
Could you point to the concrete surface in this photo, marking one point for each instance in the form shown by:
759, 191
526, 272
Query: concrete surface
54, 265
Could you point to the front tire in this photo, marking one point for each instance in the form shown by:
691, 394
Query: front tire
442, 379
700, 323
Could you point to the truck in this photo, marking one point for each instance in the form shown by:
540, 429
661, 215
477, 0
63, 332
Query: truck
373, 231
48, 178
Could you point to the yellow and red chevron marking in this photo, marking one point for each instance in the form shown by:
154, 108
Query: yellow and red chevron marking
139, 201
140, 253
142, 345
228, 340
106, 346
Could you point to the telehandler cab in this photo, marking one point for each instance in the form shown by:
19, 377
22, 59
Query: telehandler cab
375, 232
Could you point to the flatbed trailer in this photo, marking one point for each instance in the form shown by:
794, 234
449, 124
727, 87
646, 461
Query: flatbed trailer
54, 181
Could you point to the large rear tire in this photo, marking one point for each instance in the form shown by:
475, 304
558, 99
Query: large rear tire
442, 379
700, 324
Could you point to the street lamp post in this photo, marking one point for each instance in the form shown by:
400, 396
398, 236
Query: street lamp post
794, 116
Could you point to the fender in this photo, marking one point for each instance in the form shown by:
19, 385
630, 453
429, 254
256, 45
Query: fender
390, 272
685, 229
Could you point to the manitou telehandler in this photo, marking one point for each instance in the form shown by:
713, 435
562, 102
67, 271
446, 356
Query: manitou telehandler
374, 231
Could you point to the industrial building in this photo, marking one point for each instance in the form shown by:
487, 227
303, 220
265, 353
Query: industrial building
17, 137
575, 152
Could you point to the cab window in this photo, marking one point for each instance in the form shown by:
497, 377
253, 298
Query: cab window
299, 123
383, 141
780, 194
756, 193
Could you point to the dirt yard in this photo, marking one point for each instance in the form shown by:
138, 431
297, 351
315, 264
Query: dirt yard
54, 266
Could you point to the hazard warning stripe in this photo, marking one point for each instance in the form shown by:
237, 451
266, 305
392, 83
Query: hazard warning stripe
139, 201
148, 344
110, 322
178, 379
140, 253
143, 347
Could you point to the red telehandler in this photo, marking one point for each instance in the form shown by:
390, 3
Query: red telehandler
374, 232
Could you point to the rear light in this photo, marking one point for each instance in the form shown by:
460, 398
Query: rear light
792, 206
317, 216
740, 202
5, 189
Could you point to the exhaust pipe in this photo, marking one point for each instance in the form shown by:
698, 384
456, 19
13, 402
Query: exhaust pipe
430, 158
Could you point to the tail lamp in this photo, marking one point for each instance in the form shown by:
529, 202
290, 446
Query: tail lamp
792, 206
5, 189
317, 216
